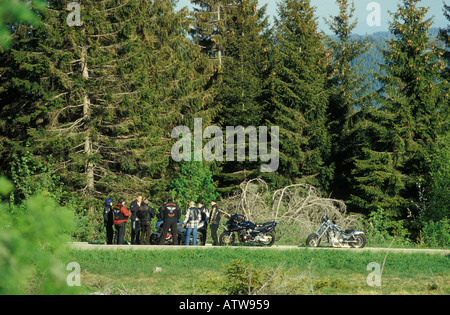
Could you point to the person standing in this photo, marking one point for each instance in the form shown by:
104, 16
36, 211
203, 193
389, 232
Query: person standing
170, 214
214, 221
204, 212
135, 222
145, 215
121, 215
191, 222
108, 221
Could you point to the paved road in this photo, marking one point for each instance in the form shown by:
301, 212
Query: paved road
89, 246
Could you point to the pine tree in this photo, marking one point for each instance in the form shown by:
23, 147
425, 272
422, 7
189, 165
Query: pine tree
233, 35
413, 113
444, 35
101, 98
348, 88
296, 96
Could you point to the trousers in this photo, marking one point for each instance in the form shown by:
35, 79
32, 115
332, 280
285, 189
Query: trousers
173, 226
120, 233
190, 231
145, 232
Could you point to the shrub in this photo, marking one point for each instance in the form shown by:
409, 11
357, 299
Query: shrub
32, 238
381, 228
241, 278
437, 234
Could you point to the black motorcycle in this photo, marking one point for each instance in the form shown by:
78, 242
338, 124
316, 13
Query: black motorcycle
201, 234
335, 236
248, 232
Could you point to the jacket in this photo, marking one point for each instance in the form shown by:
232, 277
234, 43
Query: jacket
134, 208
121, 214
146, 214
108, 217
215, 215
170, 212
193, 218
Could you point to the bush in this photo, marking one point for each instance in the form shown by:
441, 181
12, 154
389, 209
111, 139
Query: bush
382, 229
33, 236
241, 278
437, 234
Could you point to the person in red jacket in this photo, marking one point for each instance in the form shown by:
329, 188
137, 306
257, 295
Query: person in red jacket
121, 215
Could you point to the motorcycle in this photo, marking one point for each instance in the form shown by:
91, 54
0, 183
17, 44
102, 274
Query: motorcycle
201, 234
248, 232
336, 237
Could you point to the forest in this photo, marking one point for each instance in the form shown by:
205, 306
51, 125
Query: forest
87, 108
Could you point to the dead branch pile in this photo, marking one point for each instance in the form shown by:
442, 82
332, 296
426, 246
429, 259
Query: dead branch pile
297, 208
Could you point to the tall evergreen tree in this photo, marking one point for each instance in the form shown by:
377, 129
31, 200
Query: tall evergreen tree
348, 88
296, 94
413, 114
233, 34
101, 98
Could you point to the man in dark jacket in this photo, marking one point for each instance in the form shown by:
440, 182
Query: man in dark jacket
108, 221
170, 214
135, 222
145, 216
214, 221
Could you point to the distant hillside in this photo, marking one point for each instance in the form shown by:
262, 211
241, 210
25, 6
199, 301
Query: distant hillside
374, 57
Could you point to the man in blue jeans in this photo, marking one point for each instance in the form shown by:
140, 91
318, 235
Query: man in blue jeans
191, 223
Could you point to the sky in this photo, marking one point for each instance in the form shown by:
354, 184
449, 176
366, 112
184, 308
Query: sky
364, 9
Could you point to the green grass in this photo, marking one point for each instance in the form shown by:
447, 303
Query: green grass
201, 271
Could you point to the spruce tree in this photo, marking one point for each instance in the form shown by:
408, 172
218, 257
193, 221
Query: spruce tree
296, 97
413, 114
102, 97
348, 88
233, 35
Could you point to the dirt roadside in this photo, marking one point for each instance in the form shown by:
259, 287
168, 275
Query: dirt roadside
91, 246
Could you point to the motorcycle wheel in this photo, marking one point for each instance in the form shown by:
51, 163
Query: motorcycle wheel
313, 240
269, 243
360, 241
226, 239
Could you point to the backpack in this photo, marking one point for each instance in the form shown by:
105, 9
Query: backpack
117, 212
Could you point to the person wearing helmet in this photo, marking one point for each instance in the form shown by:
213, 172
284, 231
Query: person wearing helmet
108, 221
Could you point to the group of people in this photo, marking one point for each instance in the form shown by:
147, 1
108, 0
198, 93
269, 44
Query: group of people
115, 217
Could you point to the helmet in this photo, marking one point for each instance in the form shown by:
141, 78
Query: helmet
108, 201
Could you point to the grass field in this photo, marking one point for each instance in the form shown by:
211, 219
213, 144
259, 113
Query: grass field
299, 271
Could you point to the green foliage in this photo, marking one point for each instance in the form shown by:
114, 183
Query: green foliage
437, 234
99, 97
437, 203
92, 106
381, 229
194, 182
33, 237
296, 96
31, 176
13, 12
411, 116
241, 278
348, 84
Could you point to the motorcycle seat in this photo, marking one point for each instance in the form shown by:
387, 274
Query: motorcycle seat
263, 226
